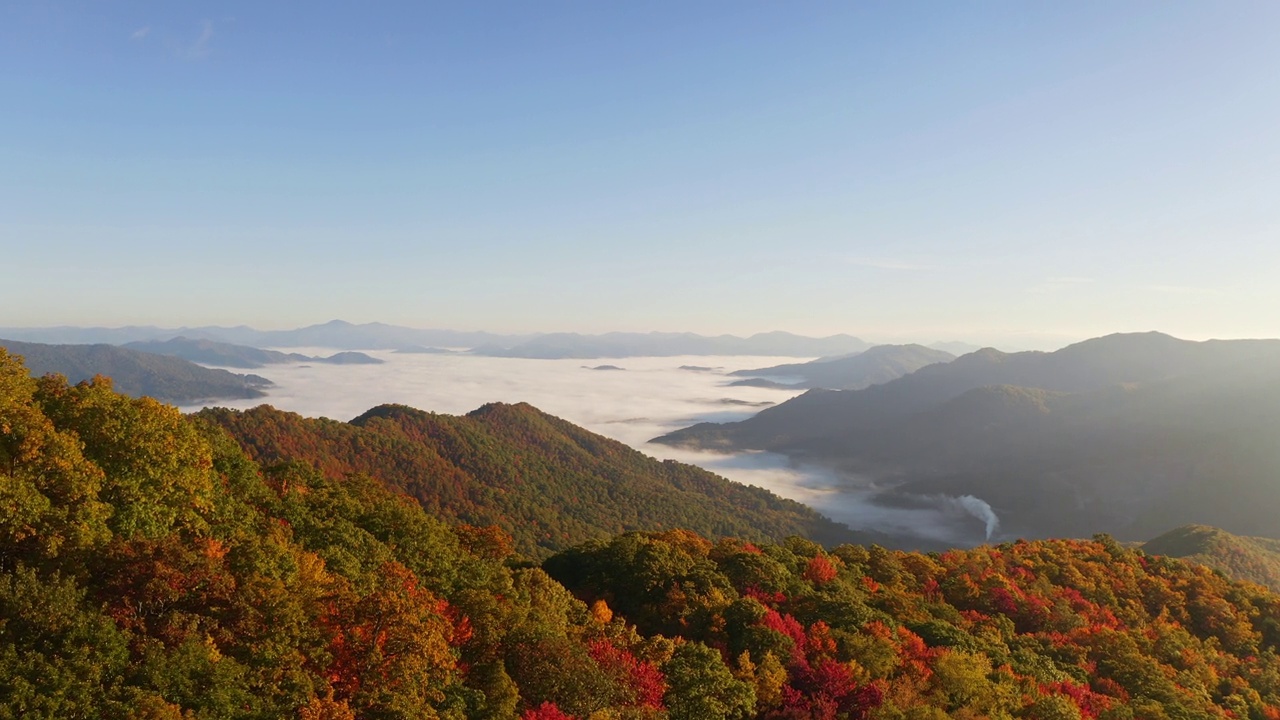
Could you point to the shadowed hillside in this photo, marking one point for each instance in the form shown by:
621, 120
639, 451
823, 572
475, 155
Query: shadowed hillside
1127, 434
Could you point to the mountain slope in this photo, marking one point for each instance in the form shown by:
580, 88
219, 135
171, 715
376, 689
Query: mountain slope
875, 366
548, 482
817, 416
1240, 558
138, 373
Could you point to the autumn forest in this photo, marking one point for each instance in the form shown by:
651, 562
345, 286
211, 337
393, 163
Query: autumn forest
157, 565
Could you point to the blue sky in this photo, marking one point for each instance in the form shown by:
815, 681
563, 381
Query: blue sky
1021, 173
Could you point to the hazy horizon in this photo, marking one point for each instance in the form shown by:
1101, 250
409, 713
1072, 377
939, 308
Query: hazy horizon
1006, 343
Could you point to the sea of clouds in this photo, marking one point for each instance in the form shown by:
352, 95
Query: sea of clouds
647, 397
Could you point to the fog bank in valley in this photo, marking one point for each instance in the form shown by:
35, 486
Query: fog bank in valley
642, 399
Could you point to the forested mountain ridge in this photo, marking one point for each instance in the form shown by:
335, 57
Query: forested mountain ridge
547, 482
874, 366
139, 373
1127, 434
150, 569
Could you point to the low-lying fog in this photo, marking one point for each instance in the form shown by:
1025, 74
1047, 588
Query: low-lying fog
639, 400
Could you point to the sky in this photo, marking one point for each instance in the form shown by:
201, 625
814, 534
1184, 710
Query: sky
995, 172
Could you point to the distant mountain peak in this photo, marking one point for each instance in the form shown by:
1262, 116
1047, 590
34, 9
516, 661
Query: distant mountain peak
983, 356
891, 349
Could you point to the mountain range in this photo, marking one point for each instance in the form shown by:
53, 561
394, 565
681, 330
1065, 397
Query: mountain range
211, 352
380, 336
1127, 434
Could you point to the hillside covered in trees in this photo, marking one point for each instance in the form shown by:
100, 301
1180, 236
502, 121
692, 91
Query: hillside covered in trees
1243, 558
547, 482
150, 569
1047, 630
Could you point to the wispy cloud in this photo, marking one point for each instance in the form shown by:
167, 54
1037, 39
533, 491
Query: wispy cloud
197, 49
141, 33
200, 48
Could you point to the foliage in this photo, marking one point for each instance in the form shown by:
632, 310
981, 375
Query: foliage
1046, 629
